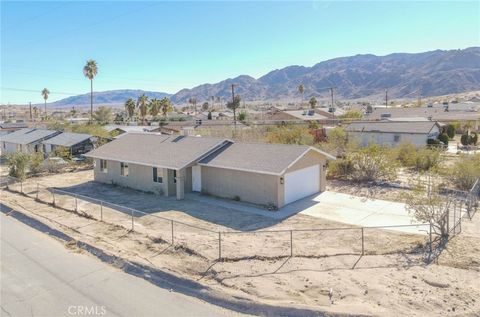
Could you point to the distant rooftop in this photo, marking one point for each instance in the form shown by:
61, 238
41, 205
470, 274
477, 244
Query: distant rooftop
392, 126
67, 139
27, 136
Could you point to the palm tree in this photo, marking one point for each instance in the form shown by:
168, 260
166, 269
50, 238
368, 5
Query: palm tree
301, 90
193, 101
35, 113
154, 107
165, 106
313, 102
130, 107
90, 71
45, 93
142, 105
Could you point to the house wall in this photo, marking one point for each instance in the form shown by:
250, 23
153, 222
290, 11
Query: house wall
365, 138
250, 187
8, 147
139, 177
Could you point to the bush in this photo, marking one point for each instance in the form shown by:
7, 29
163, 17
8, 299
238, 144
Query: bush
426, 159
443, 137
340, 168
465, 171
405, 153
372, 163
17, 164
36, 163
289, 134
469, 138
451, 130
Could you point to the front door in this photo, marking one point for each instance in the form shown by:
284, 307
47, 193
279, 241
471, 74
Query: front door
197, 178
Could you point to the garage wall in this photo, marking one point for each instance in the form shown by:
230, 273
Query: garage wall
250, 187
139, 176
309, 159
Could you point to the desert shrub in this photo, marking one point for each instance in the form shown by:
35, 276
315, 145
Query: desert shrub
17, 164
61, 151
340, 168
242, 116
443, 137
465, 171
36, 163
405, 153
372, 163
426, 159
289, 134
338, 143
451, 128
469, 138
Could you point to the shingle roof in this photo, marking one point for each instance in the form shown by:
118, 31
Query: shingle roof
153, 149
27, 136
392, 127
257, 157
14, 125
67, 139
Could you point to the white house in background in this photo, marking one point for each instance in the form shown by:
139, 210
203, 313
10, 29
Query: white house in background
6, 128
26, 140
393, 132
76, 143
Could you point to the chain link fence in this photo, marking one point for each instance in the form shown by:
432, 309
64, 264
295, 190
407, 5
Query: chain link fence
260, 244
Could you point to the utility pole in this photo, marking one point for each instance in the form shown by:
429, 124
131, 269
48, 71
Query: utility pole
233, 104
30, 111
333, 108
386, 98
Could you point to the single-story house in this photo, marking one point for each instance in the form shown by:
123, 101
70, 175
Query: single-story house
76, 143
265, 174
26, 140
393, 132
6, 128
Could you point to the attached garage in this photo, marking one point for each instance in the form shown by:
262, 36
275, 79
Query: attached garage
302, 183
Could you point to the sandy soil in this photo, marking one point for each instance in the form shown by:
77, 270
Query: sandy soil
395, 284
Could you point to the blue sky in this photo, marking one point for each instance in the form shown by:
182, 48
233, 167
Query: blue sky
166, 46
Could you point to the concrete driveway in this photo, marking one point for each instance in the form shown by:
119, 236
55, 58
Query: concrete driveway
356, 211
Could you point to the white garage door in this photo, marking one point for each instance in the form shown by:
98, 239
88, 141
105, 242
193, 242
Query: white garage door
302, 183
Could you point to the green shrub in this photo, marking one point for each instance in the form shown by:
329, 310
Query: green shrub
17, 164
340, 168
372, 163
36, 163
443, 137
426, 159
451, 130
465, 171
405, 153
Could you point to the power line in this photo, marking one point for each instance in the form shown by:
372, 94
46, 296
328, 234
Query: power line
38, 91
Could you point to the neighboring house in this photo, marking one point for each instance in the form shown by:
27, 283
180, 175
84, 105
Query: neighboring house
6, 128
393, 132
26, 140
120, 129
266, 174
76, 143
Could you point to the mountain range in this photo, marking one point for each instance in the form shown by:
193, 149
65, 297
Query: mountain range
405, 75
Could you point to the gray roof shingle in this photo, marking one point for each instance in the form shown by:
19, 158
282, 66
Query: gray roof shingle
255, 157
67, 139
13, 125
27, 136
392, 127
153, 149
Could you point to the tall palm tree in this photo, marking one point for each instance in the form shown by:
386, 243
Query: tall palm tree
301, 90
154, 106
45, 93
90, 71
193, 101
142, 105
130, 107
165, 106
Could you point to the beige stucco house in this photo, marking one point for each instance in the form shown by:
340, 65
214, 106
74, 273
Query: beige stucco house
392, 133
265, 174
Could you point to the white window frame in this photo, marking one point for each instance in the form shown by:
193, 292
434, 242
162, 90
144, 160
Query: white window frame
103, 166
124, 171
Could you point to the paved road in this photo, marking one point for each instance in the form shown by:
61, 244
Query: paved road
40, 277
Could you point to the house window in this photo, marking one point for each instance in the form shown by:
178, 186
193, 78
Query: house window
124, 169
174, 176
396, 138
103, 166
156, 178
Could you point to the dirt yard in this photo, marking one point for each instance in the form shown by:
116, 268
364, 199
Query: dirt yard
325, 273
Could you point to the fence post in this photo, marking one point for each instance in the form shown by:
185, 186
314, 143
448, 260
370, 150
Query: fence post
36, 197
363, 243
430, 238
101, 210
172, 231
21, 187
291, 243
132, 219
219, 246
454, 216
